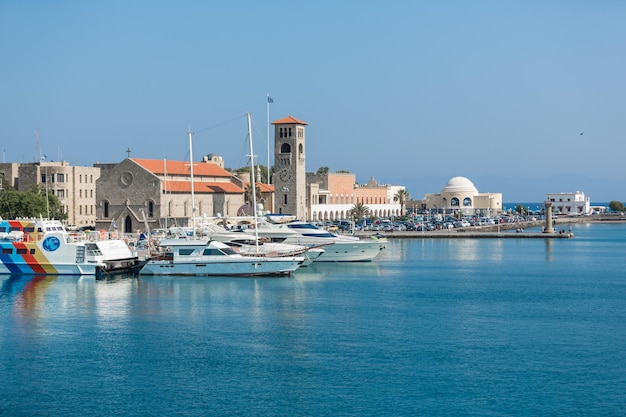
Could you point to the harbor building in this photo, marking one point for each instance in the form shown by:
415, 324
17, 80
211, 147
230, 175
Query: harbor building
322, 195
331, 196
460, 196
289, 176
74, 186
138, 193
569, 203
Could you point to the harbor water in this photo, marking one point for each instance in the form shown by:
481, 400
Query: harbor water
434, 327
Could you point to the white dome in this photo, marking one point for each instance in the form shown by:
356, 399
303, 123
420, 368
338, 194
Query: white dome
459, 184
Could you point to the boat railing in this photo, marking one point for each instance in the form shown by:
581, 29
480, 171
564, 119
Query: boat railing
91, 236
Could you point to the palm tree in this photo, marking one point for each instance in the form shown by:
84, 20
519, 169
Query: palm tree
359, 211
402, 196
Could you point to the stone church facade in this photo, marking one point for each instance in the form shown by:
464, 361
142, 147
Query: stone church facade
138, 193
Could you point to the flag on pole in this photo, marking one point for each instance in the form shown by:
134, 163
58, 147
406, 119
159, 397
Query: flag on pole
270, 99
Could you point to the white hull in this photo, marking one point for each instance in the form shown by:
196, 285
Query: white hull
256, 267
362, 251
199, 257
338, 249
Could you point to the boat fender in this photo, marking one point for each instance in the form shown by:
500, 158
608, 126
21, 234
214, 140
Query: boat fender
251, 226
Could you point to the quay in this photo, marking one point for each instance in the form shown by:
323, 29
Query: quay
503, 230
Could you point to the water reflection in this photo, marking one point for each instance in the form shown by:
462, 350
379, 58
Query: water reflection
457, 249
327, 270
25, 293
113, 297
549, 249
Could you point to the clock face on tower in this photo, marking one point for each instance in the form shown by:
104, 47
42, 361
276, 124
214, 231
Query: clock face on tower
284, 175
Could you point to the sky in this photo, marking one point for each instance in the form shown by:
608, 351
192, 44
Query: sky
521, 97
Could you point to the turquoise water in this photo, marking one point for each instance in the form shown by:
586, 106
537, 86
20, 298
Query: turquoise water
519, 327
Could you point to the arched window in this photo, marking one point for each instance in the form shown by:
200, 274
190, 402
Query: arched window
128, 225
467, 202
151, 209
285, 148
454, 202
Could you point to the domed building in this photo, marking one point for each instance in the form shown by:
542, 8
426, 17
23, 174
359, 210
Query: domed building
460, 195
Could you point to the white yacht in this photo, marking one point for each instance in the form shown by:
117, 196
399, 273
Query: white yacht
250, 245
202, 257
337, 248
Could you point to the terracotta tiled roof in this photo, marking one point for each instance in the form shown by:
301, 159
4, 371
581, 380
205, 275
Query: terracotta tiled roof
201, 169
265, 188
202, 187
289, 120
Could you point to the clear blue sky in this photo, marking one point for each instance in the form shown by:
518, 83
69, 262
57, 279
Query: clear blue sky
409, 92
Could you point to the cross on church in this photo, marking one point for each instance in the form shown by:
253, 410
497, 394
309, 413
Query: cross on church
128, 151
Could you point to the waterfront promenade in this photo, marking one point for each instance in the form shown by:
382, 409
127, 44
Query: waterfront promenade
504, 230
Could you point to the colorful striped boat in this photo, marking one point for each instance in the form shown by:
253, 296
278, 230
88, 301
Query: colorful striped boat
45, 247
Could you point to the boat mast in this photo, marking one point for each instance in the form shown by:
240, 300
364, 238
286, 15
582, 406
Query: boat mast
253, 183
269, 101
165, 189
193, 201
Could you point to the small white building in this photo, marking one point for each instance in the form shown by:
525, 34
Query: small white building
459, 195
569, 203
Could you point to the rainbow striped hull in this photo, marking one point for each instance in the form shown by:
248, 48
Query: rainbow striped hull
44, 247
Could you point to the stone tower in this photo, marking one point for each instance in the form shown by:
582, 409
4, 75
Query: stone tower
289, 177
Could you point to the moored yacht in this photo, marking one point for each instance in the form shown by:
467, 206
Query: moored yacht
339, 248
250, 245
201, 257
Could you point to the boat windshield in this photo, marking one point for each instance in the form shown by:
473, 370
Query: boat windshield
228, 251
219, 251
303, 226
319, 234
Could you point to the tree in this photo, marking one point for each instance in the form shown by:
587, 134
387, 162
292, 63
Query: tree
358, 211
520, 209
402, 196
616, 205
322, 170
31, 203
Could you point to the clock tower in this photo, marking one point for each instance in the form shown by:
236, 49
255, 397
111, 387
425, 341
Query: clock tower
289, 177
